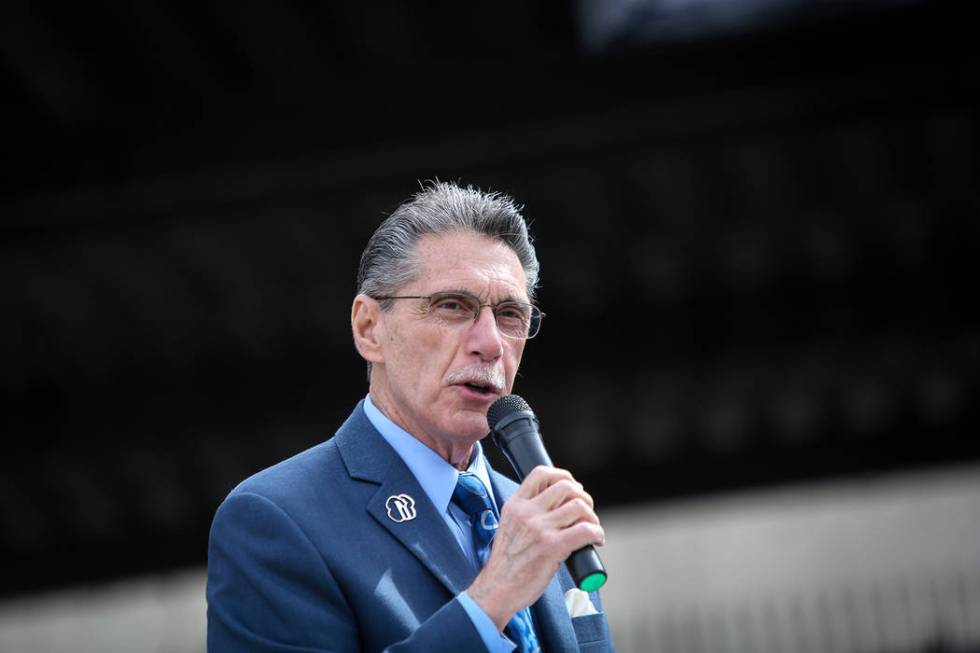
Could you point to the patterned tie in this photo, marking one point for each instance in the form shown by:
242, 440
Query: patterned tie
471, 495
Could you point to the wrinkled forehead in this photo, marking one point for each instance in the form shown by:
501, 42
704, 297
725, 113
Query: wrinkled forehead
477, 264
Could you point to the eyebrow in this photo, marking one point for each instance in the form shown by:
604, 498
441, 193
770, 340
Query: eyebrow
463, 291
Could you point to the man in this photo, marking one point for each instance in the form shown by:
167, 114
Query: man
370, 541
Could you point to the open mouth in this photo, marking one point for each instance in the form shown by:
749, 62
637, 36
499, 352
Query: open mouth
482, 389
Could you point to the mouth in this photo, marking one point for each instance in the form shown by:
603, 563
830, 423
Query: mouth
478, 384
480, 389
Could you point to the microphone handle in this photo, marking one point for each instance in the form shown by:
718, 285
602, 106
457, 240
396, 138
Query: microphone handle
525, 450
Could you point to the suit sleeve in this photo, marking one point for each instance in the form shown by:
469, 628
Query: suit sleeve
270, 591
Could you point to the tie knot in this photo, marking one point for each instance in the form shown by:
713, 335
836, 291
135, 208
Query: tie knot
471, 495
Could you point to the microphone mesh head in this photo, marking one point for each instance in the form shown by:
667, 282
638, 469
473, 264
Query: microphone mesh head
504, 407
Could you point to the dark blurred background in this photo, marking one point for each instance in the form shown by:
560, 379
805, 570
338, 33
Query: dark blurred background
757, 223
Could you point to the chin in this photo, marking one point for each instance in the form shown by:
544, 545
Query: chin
472, 428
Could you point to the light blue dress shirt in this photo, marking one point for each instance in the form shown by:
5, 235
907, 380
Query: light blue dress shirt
438, 480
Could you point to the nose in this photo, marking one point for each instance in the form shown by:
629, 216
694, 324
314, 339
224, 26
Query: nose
484, 338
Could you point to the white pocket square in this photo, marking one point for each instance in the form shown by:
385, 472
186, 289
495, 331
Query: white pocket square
578, 603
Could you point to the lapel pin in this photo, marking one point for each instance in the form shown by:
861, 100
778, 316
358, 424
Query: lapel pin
401, 507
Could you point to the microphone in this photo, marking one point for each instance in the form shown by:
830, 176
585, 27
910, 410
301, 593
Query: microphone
514, 429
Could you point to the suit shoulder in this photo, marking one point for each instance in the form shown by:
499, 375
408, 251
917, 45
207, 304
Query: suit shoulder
304, 470
309, 469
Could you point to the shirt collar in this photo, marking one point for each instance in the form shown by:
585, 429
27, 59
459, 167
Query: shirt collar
436, 476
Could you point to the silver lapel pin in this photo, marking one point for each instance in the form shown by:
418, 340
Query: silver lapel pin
401, 507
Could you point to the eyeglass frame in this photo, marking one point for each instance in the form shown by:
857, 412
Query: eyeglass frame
479, 307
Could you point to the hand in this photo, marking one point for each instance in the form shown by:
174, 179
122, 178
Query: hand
548, 518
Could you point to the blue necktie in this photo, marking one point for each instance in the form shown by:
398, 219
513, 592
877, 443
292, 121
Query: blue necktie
472, 497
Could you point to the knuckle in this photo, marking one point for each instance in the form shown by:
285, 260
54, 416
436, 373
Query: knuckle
550, 540
554, 474
599, 534
544, 470
566, 486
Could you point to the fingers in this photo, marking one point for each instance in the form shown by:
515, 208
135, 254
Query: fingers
561, 492
574, 518
582, 534
572, 512
560, 500
540, 479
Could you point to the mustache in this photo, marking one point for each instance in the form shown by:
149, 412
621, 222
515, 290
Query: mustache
482, 374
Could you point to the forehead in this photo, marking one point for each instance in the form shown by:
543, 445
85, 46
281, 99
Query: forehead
468, 261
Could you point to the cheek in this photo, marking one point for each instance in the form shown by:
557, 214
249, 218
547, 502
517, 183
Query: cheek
433, 351
405, 353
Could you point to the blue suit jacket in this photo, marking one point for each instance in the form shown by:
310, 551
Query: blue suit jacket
304, 557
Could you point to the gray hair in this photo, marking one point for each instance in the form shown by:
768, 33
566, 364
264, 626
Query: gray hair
389, 260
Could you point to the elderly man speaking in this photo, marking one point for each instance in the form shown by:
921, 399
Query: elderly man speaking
395, 534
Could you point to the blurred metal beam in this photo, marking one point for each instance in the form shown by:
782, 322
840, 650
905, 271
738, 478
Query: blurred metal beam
617, 129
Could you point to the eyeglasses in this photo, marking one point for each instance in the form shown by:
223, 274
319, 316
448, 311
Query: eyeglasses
514, 319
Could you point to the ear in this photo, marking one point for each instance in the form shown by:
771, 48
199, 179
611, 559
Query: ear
365, 317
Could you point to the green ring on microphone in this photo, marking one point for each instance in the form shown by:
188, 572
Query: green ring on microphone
592, 582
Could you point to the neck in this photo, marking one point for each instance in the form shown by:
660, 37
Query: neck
457, 454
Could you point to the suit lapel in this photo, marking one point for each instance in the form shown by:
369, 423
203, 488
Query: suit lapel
426, 535
368, 457
551, 621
